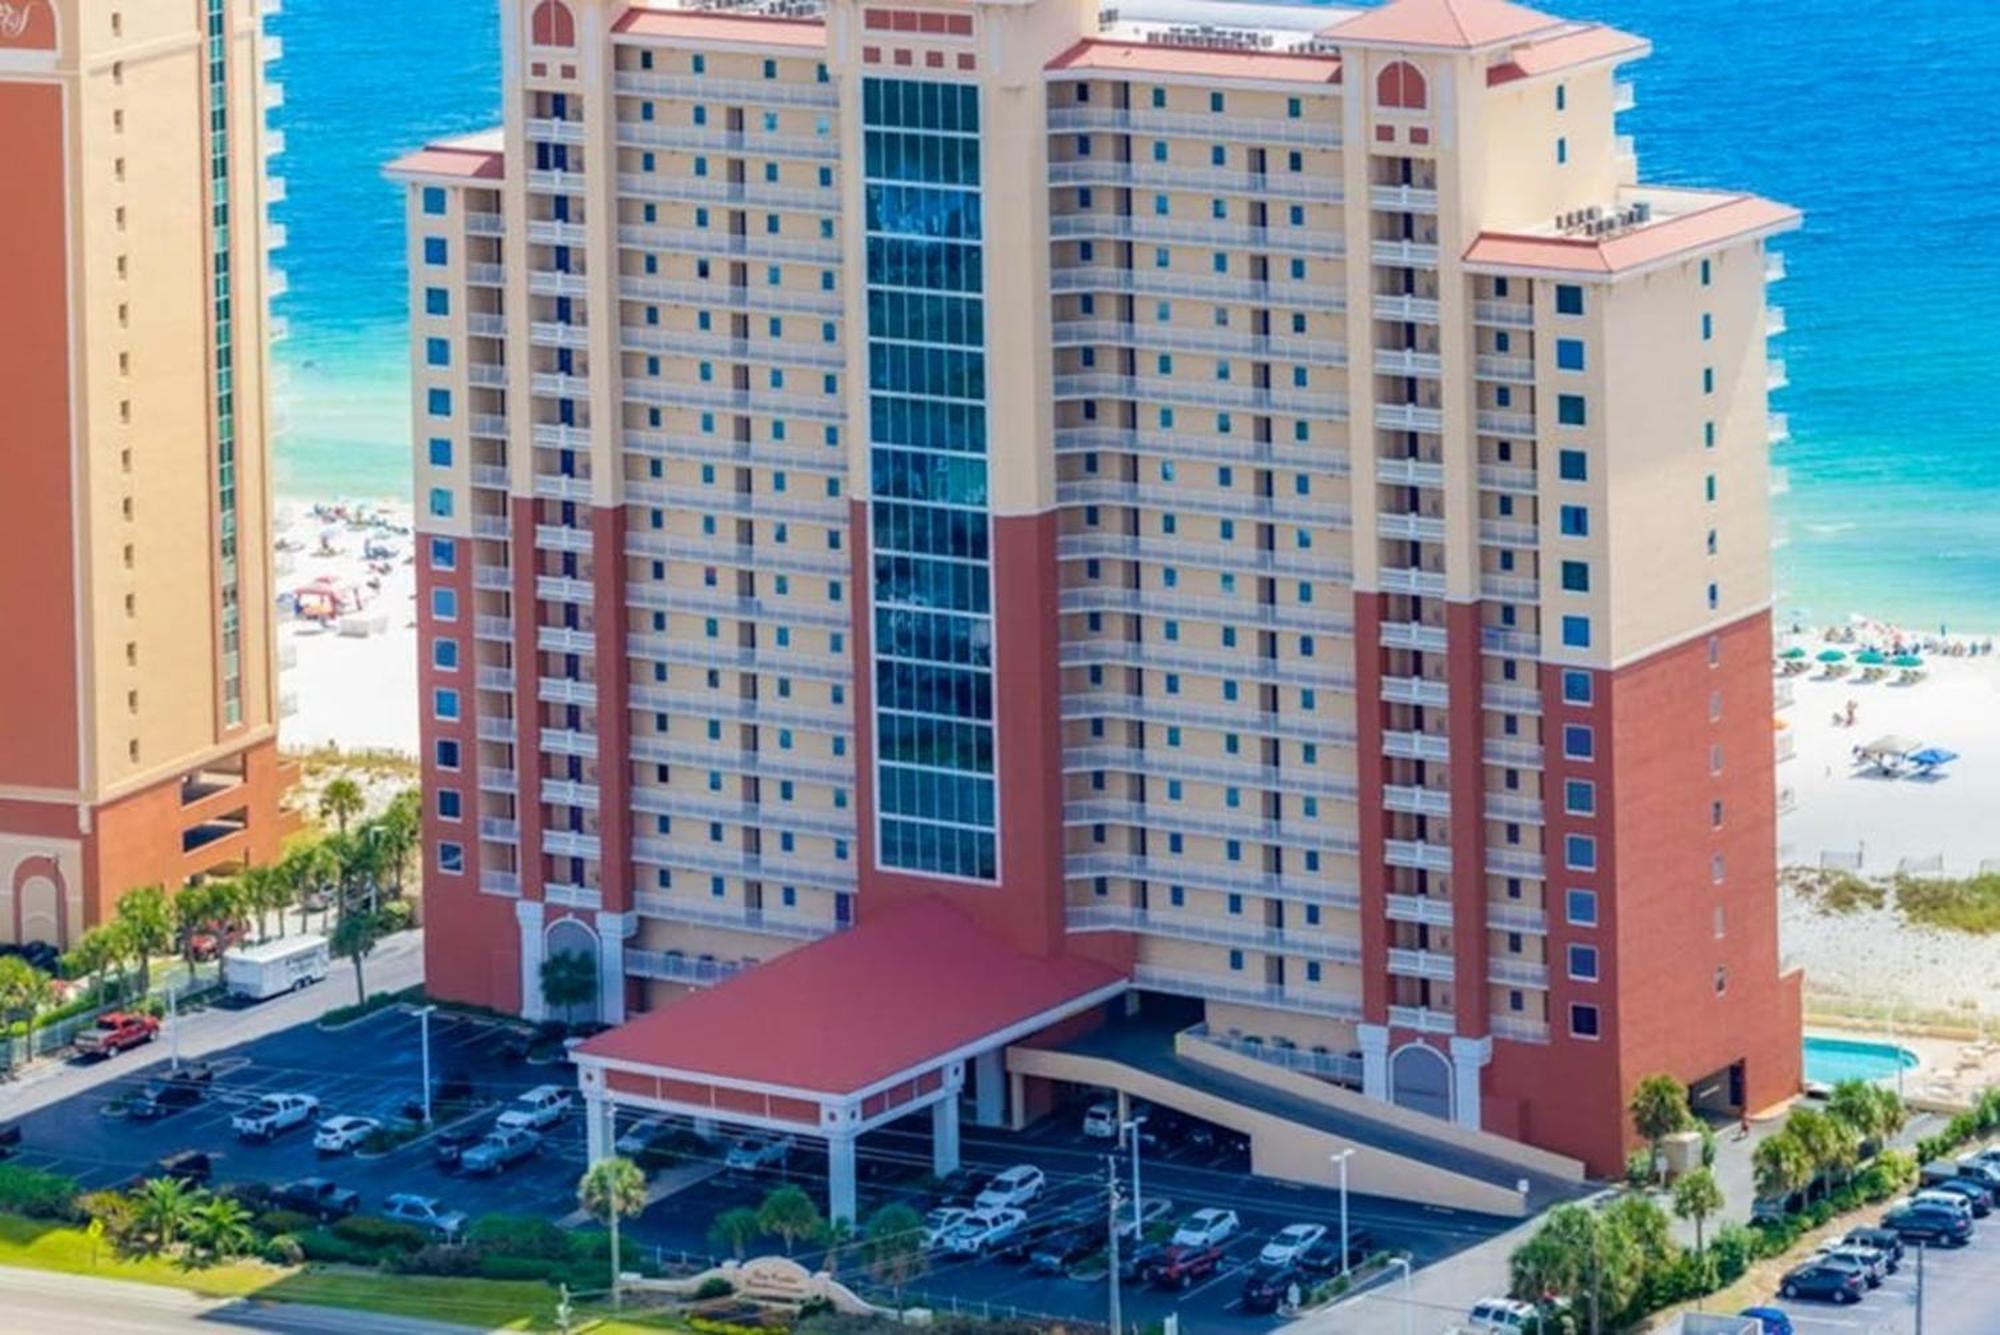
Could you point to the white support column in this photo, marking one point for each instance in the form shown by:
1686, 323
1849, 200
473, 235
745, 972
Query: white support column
528, 913
840, 1176
1468, 1058
612, 929
944, 1136
989, 1095
1374, 1040
598, 1135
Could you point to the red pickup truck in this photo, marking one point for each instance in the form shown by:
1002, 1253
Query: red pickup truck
116, 1032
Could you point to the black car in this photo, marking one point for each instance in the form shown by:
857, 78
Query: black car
318, 1197
164, 1099
1929, 1223
1022, 1242
1064, 1248
1978, 1197
1136, 1261
1884, 1240
1269, 1286
1323, 1257
961, 1188
1832, 1283
452, 1143
193, 1167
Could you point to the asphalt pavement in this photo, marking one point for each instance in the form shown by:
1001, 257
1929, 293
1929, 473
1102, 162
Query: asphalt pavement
37, 1300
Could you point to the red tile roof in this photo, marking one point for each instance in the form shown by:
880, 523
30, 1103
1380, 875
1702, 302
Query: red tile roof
1729, 218
1198, 62
847, 1012
1584, 46
705, 26
473, 157
1463, 25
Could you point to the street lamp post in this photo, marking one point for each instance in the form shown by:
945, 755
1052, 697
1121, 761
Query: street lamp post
1409, 1304
174, 1027
1131, 1128
1341, 1159
424, 1019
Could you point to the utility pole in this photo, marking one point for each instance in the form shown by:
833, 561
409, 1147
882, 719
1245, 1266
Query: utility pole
1111, 1215
1341, 1159
1131, 1128
424, 1018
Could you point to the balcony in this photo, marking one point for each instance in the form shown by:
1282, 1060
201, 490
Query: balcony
1623, 96
1416, 799
714, 551
496, 728
1785, 747
1409, 472
555, 131
1316, 1061
1788, 801
1408, 362
1225, 988
1172, 818
1423, 1019
745, 402
746, 194
1779, 429
1513, 370
823, 874
1416, 635
1242, 667
725, 296
1180, 338
1172, 764
1290, 723
1495, 422
1402, 199
1200, 555
1774, 266
495, 780
496, 679
1224, 611
571, 844
1511, 808
1398, 306
769, 660
1234, 932
1409, 579
479, 223
1508, 477
1774, 321
506, 884
1402, 745
1201, 393
1409, 528
1776, 377
1409, 417
1507, 754
1509, 588
1417, 854
489, 426
733, 917
1186, 498
727, 143
1516, 643
494, 830
1516, 918
1517, 973
1181, 232
551, 232
758, 351
1227, 880
499, 629
1519, 1028
486, 275
1303, 186
748, 91
1782, 695
556, 182
1428, 910
753, 764
675, 967
1322, 457
1421, 964
1209, 128
1406, 254
1781, 482
1156, 282
830, 511
1513, 314
1513, 862
1415, 691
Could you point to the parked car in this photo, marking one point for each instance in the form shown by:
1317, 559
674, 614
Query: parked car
1770, 1321
542, 1106
940, 1222
1290, 1243
503, 1147
317, 1196
982, 1230
1509, 1315
1065, 1248
1881, 1239
960, 1188
116, 1031
1978, 1197
1936, 1224
1015, 1187
426, 1213
1872, 1266
642, 1135
1323, 1257
274, 1114
1948, 1200
163, 1099
1100, 1121
452, 1142
337, 1135
1986, 1172
1207, 1228
748, 1154
1267, 1286
1817, 1279
1138, 1262
1021, 1243
1152, 1209
194, 1167
1179, 1267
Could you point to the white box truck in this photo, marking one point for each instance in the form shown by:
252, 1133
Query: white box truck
275, 967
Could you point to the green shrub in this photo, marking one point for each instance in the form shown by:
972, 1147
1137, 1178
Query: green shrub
378, 1235
36, 1194
519, 1235
285, 1249
1639, 1167
273, 1222
713, 1287
1732, 1251
436, 1259
326, 1248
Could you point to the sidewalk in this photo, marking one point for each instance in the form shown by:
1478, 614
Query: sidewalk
47, 1300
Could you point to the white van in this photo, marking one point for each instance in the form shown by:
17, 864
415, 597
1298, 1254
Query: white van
1501, 1316
274, 968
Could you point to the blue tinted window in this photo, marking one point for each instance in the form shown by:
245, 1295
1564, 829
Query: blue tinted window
1569, 354
435, 250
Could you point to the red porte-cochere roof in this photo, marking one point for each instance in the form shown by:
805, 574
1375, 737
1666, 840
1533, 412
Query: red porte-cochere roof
853, 1010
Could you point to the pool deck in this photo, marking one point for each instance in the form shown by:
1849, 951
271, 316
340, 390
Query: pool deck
1949, 1074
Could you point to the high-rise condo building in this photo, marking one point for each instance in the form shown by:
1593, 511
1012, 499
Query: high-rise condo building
138, 719
942, 512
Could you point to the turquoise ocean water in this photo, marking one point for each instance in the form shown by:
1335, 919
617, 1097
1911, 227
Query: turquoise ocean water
1866, 115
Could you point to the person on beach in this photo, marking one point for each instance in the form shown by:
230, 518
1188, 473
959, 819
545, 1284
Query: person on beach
1853, 711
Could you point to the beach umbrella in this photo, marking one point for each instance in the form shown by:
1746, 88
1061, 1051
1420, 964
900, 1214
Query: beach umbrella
1906, 661
1832, 655
1795, 652
1871, 658
1931, 757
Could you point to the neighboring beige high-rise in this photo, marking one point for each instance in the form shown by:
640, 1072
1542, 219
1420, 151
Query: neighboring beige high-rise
139, 711
1255, 496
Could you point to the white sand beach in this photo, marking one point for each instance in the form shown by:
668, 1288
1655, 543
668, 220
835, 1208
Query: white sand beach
348, 655
1853, 815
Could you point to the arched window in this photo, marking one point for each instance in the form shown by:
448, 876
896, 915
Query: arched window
1401, 84
552, 25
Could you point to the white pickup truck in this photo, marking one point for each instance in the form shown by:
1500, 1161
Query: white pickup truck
273, 1113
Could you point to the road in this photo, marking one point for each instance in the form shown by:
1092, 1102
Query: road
396, 964
40, 1300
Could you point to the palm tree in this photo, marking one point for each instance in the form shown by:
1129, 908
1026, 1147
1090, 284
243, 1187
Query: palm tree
1780, 1166
893, 1244
195, 907
1828, 1145
94, 954
1659, 1108
569, 980
264, 890
220, 1227
341, 801
789, 1214
165, 1205
311, 870
24, 990
402, 826
148, 917
734, 1230
354, 937
1696, 1197
612, 1189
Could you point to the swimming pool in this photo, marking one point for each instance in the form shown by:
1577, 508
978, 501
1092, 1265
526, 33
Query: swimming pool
1832, 1060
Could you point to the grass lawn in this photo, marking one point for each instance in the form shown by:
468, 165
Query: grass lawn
483, 1303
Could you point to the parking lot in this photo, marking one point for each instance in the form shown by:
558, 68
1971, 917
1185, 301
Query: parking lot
372, 1068
1959, 1288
